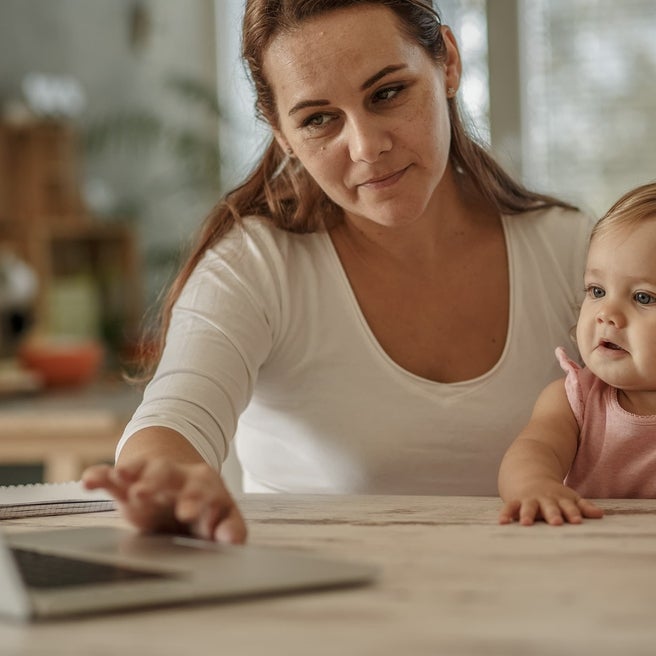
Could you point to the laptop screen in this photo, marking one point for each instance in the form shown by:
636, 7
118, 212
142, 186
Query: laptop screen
40, 570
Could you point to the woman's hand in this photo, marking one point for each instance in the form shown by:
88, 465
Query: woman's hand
159, 494
553, 502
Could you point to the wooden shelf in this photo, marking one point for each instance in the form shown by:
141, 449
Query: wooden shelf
43, 219
66, 430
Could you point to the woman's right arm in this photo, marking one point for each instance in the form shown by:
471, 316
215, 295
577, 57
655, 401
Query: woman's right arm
161, 483
220, 333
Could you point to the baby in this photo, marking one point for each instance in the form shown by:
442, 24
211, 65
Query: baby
595, 429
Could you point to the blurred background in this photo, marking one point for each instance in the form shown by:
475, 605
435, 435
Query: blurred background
123, 121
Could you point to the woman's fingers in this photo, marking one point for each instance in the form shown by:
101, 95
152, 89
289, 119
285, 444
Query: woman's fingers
104, 476
96, 476
120, 482
156, 479
207, 506
202, 490
232, 529
152, 494
160, 495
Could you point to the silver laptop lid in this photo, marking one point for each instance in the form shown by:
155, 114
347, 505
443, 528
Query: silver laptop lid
14, 599
118, 568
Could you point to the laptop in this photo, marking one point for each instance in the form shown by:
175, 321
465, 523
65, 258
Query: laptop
61, 572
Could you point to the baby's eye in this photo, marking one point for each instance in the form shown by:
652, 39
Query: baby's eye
644, 298
595, 292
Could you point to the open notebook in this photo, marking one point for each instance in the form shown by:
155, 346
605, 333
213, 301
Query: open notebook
51, 499
92, 569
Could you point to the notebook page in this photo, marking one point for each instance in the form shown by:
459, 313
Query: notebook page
42, 499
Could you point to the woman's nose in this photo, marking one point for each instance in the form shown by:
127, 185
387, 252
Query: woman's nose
367, 139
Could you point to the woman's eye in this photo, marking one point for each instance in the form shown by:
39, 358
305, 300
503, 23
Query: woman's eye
387, 93
596, 292
316, 121
644, 298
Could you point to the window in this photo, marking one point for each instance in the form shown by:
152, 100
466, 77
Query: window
569, 101
589, 98
467, 19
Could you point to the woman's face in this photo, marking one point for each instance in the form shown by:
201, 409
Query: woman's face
365, 111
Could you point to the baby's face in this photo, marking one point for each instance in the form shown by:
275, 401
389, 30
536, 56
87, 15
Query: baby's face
616, 331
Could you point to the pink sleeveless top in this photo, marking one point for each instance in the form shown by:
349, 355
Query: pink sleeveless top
616, 456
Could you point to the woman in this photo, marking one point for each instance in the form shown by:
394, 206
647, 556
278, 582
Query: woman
375, 304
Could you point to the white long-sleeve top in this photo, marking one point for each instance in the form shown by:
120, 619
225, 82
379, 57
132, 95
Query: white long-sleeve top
267, 341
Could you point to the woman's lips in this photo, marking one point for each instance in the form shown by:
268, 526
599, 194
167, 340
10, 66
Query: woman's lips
384, 181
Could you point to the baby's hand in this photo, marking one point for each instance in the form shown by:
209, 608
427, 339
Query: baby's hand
553, 502
161, 495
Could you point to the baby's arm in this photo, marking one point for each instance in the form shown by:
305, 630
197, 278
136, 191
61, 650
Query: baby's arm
532, 471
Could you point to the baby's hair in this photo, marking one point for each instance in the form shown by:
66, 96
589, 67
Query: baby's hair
634, 207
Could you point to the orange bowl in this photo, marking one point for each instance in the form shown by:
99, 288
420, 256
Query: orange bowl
62, 361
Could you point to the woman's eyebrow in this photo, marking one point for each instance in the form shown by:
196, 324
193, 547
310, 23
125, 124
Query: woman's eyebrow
392, 68
307, 103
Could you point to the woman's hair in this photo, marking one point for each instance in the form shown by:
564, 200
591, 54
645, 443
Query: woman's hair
283, 193
632, 208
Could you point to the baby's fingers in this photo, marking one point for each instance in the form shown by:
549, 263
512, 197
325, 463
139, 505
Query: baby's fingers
590, 510
509, 512
571, 511
531, 509
524, 510
554, 510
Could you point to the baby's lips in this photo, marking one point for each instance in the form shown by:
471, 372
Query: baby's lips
606, 343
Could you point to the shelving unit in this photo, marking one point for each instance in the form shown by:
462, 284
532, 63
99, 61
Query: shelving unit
43, 219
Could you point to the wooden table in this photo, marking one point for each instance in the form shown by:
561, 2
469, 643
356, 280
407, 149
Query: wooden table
453, 582
66, 429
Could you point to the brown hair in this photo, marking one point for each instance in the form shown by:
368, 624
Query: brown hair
282, 192
632, 208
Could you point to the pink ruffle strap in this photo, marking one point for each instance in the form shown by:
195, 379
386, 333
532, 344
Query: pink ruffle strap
572, 383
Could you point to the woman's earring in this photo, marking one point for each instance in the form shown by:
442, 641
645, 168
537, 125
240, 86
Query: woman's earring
281, 167
289, 157
450, 92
